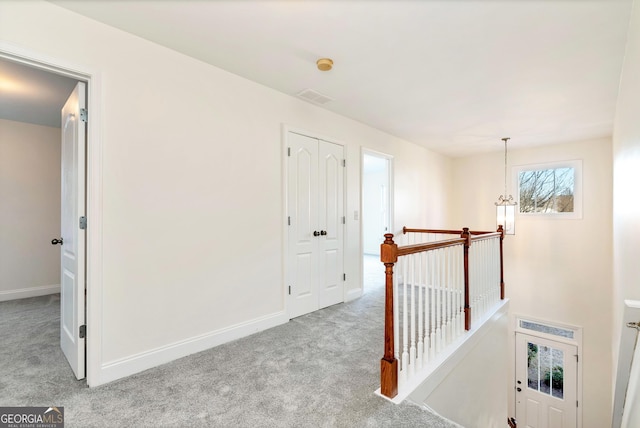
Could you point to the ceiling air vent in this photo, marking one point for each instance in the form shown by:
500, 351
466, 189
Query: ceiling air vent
314, 96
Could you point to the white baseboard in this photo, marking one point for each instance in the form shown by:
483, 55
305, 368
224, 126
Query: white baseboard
133, 364
23, 293
353, 294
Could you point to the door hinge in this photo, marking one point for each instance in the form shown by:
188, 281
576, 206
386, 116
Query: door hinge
83, 331
344, 276
344, 163
288, 151
84, 115
577, 403
83, 222
289, 220
344, 220
289, 290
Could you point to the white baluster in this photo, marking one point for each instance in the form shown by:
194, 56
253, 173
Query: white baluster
396, 309
432, 312
412, 319
482, 284
460, 305
485, 278
420, 361
496, 264
438, 291
447, 300
405, 331
450, 295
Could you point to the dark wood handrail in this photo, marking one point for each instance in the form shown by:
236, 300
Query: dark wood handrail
418, 248
486, 235
406, 230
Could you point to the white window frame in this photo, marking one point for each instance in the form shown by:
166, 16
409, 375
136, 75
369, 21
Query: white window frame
577, 187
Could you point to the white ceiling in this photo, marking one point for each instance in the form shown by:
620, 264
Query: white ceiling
31, 95
453, 75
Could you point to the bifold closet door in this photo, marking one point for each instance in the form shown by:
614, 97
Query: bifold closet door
315, 204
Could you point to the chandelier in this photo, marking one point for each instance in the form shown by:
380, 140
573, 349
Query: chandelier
506, 206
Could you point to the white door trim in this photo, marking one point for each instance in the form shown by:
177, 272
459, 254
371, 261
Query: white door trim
286, 129
93, 259
369, 152
576, 341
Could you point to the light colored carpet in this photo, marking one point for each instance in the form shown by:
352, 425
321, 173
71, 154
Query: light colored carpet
319, 370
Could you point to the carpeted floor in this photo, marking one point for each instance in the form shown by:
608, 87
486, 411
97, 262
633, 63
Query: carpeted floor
319, 370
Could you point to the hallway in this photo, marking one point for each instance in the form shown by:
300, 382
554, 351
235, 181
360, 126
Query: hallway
319, 370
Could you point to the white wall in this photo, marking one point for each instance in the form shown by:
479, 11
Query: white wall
626, 166
555, 270
192, 183
29, 210
474, 394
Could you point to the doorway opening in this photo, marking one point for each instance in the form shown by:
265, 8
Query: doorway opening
41, 132
377, 214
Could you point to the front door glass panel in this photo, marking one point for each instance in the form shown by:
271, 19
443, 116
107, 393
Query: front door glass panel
545, 370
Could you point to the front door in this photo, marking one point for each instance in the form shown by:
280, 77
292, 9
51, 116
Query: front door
546, 383
72, 282
315, 205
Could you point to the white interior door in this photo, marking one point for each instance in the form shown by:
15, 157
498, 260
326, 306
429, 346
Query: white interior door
302, 204
546, 383
72, 282
330, 221
315, 201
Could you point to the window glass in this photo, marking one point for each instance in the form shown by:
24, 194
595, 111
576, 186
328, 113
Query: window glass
545, 370
553, 189
547, 190
556, 331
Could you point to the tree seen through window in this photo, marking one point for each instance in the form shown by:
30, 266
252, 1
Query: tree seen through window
547, 190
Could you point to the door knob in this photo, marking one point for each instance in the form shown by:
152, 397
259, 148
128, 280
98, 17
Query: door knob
323, 232
518, 389
316, 233
56, 241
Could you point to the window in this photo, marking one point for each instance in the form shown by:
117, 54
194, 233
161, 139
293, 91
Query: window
548, 329
550, 189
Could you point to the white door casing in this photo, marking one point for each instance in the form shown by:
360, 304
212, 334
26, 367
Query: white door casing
315, 204
72, 281
538, 403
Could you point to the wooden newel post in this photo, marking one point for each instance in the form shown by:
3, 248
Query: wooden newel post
467, 307
388, 364
501, 230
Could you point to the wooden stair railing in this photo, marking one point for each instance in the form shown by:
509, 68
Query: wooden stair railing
389, 253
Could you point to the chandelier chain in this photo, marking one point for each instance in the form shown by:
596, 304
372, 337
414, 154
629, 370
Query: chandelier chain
505, 166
